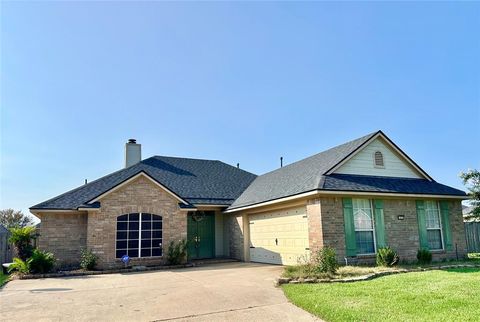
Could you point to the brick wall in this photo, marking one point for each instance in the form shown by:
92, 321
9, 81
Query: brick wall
332, 223
315, 231
140, 195
63, 234
236, 236
401, 235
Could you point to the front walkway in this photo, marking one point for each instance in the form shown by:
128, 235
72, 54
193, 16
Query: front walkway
217, 292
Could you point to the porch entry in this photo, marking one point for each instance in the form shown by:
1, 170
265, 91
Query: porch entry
201, 235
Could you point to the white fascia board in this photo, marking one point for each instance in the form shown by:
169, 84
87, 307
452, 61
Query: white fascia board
391, 194
348, 193
266, 203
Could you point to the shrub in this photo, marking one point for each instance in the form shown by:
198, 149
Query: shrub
41, 262
387, 257
88, 260
424, 256
20, 266
177, 252
21, 238
325, 260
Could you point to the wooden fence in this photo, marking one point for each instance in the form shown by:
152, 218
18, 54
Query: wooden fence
6, 250
472, 234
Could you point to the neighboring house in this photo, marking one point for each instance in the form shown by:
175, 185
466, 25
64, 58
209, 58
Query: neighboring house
355, 197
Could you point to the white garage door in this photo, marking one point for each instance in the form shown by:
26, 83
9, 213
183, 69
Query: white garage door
279, 237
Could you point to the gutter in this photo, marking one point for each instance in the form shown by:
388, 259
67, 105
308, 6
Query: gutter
346, 193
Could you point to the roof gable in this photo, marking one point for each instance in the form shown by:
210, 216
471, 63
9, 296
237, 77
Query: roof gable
130, 180
394, 164
301, 176
318, 173
194, 180
396, 155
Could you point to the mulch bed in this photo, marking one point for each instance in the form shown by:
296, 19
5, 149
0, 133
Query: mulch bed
81, 272
284, 280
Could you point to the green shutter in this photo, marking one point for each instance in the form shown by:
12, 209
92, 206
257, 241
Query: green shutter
350, 242
422, 226
379, 224
447, 234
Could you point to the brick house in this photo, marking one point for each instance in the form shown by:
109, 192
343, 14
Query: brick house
356, 197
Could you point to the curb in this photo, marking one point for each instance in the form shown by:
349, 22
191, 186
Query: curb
284, 280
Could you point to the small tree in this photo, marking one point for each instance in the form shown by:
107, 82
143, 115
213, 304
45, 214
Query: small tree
21, 238
177, 252
10, 218
471, 179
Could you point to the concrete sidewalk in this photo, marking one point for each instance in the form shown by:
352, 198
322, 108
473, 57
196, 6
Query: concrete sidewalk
217, 292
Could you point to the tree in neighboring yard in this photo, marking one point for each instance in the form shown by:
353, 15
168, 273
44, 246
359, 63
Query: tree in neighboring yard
14, 218
471, 179
22, 238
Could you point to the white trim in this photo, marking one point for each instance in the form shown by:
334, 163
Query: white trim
386, 194
266, 203
403, 154
188, 209
347, 193
130, 180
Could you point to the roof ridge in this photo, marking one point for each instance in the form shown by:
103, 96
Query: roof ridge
88, 184
324, 151
167, 171
187, 158
197, 159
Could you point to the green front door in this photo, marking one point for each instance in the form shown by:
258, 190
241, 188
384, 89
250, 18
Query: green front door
201, 235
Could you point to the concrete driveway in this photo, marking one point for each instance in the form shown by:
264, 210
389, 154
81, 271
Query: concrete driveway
216, 292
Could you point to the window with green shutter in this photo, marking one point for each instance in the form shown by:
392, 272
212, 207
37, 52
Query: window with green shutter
422, 228
350, 244
447, 234
434, 225
379, 223
364, 226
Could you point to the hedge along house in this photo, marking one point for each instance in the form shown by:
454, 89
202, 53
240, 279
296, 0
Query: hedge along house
356, 197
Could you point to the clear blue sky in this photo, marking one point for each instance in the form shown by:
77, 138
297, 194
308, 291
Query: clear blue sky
238, 82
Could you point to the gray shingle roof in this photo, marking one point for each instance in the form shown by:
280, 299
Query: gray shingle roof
347, 182
194, 180
301, 176
311, 174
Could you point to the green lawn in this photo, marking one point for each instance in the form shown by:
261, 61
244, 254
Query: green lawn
3, 278
451, 295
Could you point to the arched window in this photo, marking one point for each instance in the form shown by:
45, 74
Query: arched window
378, 159
139, 235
